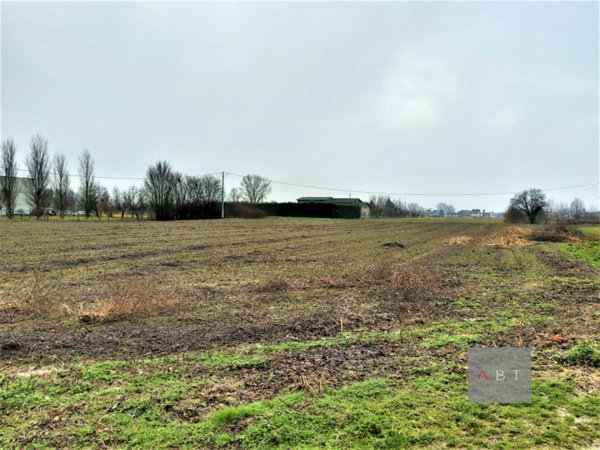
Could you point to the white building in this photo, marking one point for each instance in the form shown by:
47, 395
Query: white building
22, 204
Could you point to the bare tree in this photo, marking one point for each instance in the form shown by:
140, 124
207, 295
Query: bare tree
563, 210
255, 188
181, 192
88, 190
209, 189
141, 201
61, 183
72, 199
514, 215
160, 183
577, 208
444, 209
414, 209
400, 208
8, 181
133, 200
375, 206
234, 195
530, 202
129, 199
105, 204
117, 201
38, 166
381, 206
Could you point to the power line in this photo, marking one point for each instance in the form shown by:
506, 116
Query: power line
399, 194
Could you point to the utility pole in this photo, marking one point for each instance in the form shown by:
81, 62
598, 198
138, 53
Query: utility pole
222, 195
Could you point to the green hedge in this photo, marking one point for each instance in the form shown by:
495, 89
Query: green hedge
324, 210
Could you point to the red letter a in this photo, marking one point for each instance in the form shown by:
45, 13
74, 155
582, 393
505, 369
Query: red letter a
482, 374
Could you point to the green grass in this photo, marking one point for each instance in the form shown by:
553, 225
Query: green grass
140, 399
113, 404
221, 360
584, 354
454, 340
432, 411
590, 231
460, 334
588, 251
257, 355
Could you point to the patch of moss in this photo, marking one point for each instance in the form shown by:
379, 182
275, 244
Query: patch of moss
584, 354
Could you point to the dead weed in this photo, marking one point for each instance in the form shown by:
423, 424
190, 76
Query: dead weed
136, 297
556, 232
510, 237
40, 296
458, 240
416, 281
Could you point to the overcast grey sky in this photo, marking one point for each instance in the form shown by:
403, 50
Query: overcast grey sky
392, 97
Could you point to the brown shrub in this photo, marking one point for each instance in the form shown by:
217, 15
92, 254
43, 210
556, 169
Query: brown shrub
269, 286
44, 297
416, 281
555, 232
132, 298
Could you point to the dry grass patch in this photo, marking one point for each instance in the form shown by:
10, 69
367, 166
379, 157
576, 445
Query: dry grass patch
136, 297
416, 281
511, 237
556, 232
39, 297
45, 297
458, 240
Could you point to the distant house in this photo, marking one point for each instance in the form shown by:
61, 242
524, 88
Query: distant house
471, 213
365, 209
22, 205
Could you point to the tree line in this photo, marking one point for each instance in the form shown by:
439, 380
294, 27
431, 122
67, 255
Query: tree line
165, 193
532, 206
384, 206
170, 195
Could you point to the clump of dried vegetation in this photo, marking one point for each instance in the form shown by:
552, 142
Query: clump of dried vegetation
285, 284
413, 280
268, 286
458, 240
510, 237
136, 297
118, 300
517, 236
416, 281
556, 232
38, 297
